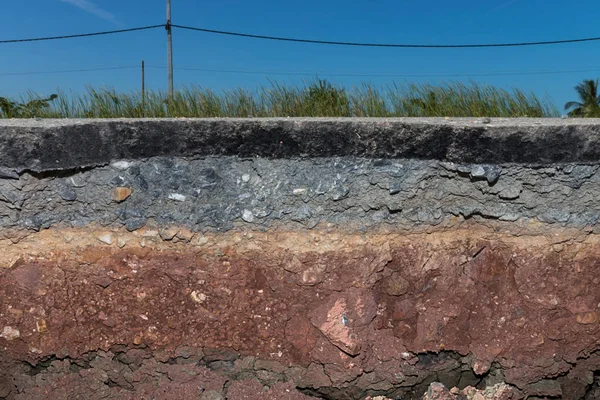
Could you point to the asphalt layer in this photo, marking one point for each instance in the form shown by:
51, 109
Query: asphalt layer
47, 145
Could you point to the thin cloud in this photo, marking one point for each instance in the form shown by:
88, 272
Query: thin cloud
90, 7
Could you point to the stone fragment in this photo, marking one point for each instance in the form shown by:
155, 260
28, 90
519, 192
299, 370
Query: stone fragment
199, 240
246, 178
587, 318
121, 193
41, 326
106, 238
122, 241
177, 197
169, 233
339, 192
477, 171
121, 165
331, 319
438, 391
490, 172
9, 333
481, 367
198, 297
135, 223
248, 216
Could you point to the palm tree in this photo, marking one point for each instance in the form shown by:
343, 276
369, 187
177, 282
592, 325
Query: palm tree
589, 104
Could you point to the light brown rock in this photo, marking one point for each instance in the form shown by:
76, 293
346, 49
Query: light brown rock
121, 193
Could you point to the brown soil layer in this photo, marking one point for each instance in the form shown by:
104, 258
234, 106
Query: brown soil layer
167, 313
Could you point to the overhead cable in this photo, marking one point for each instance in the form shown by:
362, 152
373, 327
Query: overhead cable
397, 45
80, 35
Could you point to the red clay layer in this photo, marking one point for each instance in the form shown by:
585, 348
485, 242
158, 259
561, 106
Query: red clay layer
341, 320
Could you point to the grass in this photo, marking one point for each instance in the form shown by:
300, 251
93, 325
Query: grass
317, 98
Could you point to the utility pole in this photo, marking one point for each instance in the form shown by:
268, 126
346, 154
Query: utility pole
169, 48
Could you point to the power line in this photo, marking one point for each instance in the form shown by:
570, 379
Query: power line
378, 75
298, 40
357, 44
79, 35
64, 71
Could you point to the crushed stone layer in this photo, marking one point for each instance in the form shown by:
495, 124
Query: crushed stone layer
320, 313
222, 193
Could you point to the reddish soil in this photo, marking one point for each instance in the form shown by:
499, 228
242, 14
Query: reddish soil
297, 314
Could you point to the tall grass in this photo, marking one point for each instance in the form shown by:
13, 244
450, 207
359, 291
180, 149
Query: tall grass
316, 98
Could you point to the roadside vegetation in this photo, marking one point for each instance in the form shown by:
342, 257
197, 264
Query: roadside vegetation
588, 105
317, 98
29, 108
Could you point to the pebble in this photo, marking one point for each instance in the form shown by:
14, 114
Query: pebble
122, 241
121, 165
168, 234
199, 240
248, 216
477, 171
41, 326
106, 238
198, 297
588, 318
135, 224
177, 197
121, 193
9, 333
246, 178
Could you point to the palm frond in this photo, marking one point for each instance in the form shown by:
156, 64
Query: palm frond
573, 104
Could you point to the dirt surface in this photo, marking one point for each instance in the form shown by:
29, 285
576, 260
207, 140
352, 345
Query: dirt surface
244, 315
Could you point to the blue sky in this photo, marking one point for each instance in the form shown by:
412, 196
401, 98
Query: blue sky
391, 21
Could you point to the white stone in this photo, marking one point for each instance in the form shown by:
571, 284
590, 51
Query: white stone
477, 171
9, 333
121, 165
106, 238
122, 241
198, 297
199, 240
177, 197
246, 178
247, 216
299, 191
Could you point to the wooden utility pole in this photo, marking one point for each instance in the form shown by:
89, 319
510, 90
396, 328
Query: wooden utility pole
169, 48
143, 90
